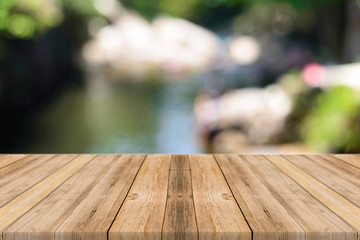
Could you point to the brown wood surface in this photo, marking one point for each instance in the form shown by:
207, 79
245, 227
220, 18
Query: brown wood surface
224, 196
180, 218
7, 159
142, 214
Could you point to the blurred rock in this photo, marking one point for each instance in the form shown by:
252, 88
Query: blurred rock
133, 48
229, 141
258, 114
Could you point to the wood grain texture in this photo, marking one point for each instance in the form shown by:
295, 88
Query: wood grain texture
142, 214
337, 175
7, 159
218, 216
14, 209
180, 220
45, 218
266, 216
331, 199
316, 220
351, 159
23, 174
58, 197
94, 215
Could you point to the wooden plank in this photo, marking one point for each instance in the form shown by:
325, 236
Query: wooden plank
317, 220
334, 173
20, 176
266, 216
14, 209
180, 221
180, 163
7, 159
142, 214
94, 215
217, 213
42, 220
352, 159
331, 199
179, 197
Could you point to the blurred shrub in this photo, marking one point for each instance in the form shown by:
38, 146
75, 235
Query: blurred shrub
303, 98
84, 8
332, 123
23, 18
193, 10
300, 5
26, 18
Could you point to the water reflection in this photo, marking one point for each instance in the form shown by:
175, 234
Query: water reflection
121, 118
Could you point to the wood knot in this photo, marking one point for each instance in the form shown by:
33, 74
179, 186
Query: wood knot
133, 196
180, 196
227, 196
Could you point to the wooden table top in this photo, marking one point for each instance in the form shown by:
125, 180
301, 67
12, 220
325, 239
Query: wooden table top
179, 197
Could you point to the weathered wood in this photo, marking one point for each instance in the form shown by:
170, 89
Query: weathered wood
266, 216
58, 197
180, 221
330, 198
94, 215
142, 214
15, 208
351, 159
180, 163
310, 214
217, 214
20, 176
337, 175
8, 159
45, 218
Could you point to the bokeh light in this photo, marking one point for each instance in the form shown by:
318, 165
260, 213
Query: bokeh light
245, 50
314, 74
21, 26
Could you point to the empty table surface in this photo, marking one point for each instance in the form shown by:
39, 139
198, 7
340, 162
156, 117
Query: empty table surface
224, 196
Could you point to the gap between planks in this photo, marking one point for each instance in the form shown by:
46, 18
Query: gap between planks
14, 209
338, 204
115, 174
117, 213
240, 182
195, 186
323, 192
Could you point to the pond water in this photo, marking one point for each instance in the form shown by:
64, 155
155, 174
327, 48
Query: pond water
120, 118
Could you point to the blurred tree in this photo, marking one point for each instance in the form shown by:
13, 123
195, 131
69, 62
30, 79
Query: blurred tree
352, 32
26, 18
39, 42
328, 27
193, 10
23, 18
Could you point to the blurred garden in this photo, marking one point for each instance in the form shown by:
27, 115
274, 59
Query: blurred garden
196, 76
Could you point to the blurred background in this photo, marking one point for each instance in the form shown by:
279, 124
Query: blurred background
195, 76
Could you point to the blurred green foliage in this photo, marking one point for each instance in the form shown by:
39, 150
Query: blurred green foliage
332, 123
25, 18
194, 9
84, 8
191, 9
299, 5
